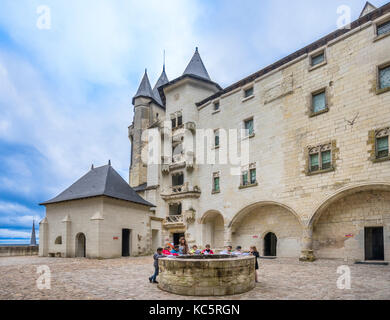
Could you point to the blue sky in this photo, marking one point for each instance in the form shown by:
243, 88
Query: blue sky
65, 93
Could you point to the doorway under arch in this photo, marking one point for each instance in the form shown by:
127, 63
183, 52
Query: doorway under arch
213, 229
270, 245
81, 245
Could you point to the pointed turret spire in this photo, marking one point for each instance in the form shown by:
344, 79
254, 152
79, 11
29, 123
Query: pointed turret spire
196, 67
145, 89
160, 82
33, 240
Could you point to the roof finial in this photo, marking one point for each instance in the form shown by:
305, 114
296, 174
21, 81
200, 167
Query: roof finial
196, 49
109, 162
164, 62
92, 167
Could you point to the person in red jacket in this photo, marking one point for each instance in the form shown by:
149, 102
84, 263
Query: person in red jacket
207, 250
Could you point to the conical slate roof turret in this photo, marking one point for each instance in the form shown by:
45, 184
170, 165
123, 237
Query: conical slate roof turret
160, 82
196, 67
144, 89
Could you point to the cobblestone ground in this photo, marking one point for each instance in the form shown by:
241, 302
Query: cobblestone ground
127, 279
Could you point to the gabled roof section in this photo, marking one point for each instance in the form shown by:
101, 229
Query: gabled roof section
102, 181
367, 9
145, 89
196, 67
160, 82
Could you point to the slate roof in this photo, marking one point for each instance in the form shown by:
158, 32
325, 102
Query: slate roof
160, 82
102, 181
196, 67
145, 89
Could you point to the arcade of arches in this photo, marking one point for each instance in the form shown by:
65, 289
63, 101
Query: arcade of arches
354, 224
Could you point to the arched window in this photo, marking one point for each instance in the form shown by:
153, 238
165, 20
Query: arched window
58, 240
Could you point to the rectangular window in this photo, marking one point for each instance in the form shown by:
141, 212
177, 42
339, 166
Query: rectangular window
216, 184
314, 162
248, 92
245, 178
326, 160
384, 77
319, 101
216, 138
252, 176
216, 106
249, 127
179, 121
178, 180
317, 59
382, 147
173, 122
383, 28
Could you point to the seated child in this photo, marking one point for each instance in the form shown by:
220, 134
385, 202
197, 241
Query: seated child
175, 251
195, 250
207, 250
166, 251
228, 251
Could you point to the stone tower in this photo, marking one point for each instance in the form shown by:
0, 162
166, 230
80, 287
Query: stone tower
148, 108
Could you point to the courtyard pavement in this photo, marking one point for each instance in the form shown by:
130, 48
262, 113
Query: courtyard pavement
127, 278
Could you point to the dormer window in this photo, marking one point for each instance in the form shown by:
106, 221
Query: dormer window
383, 28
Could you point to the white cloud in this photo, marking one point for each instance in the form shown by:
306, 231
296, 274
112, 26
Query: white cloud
7, 233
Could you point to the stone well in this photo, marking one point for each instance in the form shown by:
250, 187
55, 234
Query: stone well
211, 275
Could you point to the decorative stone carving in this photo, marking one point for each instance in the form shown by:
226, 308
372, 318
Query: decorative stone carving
279, 89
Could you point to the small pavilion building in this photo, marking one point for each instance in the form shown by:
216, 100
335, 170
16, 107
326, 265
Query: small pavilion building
99, 216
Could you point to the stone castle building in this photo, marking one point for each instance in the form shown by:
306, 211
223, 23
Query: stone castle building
317, 124
316, 181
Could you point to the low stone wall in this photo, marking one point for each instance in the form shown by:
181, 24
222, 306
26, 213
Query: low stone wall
207, 277
8, 251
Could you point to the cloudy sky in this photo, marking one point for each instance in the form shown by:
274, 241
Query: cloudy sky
65, 92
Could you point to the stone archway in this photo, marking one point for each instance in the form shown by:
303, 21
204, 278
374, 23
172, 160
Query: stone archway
342, 223
251, 225
81, 250
213, 229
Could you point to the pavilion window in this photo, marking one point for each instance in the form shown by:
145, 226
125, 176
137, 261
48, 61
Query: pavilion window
383, 28
382, 147
248, 92
314, 162
245, 178
320, 158
319, 102
317, 59
252, 176
216, 138
384, 77
177, 180
173, 122
249, 128
216, 187
216, 106
179, 120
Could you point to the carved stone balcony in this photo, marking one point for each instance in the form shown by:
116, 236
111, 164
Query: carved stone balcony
174, 221
180, 192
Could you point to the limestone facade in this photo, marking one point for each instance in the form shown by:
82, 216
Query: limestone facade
326, 210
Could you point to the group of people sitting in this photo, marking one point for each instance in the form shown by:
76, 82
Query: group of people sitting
183, 249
